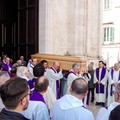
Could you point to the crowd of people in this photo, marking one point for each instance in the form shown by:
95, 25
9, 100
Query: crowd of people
33, 91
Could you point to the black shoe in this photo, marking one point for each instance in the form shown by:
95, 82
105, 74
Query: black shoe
92, 101
97, 103
102, 104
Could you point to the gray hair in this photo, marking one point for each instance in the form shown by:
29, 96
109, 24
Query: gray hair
75, 65
21, 71
117, 64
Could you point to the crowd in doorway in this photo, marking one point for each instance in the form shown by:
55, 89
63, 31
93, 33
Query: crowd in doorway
30, 90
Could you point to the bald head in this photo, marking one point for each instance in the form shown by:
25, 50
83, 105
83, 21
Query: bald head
41, 84
56, 65
79, 86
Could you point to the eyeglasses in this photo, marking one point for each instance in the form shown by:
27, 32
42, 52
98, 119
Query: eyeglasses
27, 95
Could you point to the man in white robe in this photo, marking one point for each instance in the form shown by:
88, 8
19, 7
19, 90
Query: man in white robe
73, 74
70, 106
54, 74
114, 77
36, 111
104, 112
23, 72
31, 65
100, 78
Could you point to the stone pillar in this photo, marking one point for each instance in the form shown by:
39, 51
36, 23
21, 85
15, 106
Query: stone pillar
42, 25
70, 25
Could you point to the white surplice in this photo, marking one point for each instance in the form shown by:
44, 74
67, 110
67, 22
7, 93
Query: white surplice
112, 81
72, 76
100, 97
53, 77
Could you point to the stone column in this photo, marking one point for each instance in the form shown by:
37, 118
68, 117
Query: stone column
42, 25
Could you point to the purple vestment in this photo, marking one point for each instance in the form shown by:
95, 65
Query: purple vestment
57, 85
66, 75
36, 96
103, 72
31, 83
112, 73
6, 67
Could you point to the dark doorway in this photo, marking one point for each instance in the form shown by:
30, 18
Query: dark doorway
18, 28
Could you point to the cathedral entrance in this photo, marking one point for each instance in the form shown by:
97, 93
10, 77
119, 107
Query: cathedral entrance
18, 28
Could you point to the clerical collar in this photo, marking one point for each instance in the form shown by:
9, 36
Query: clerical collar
31, 65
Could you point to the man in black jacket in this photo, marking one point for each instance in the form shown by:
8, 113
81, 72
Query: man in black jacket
15, 96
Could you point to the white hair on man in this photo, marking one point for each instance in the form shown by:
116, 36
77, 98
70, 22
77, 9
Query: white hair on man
117, 64
23, 72
75, 65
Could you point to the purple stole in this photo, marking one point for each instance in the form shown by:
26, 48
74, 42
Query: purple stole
31, 66
3, 62
69, 73
36, 96
31, 83
112, 73
6, 67
57, 85
103, 72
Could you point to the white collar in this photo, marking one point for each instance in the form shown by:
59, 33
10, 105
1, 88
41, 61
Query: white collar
112, 106
31, 65
24, 77
69, 101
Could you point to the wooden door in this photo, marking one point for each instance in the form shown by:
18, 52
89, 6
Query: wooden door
27, 27
8, 28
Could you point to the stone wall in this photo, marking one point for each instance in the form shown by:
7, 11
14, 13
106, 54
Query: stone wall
72, 26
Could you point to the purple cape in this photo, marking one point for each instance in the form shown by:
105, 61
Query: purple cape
31, 83
36, 96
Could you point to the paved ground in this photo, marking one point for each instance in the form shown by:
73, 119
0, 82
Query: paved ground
92, 107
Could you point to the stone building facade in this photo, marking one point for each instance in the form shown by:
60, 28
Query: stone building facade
111, 32
70, 26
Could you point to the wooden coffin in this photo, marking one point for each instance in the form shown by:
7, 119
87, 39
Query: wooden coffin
65, 61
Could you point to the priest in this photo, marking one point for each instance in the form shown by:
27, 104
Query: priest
54, 74
100, 78
114, 77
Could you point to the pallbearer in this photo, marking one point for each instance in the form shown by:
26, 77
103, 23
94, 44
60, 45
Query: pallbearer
54, 74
